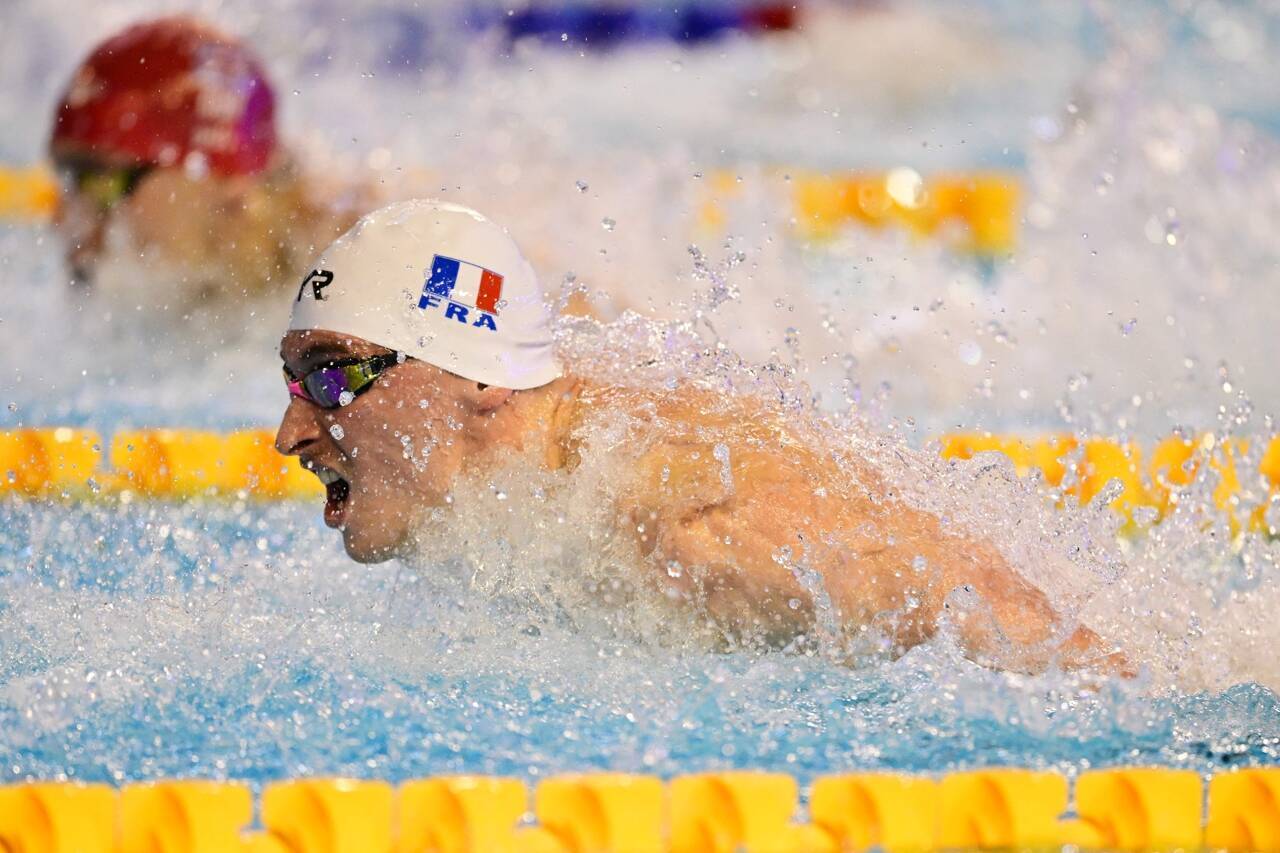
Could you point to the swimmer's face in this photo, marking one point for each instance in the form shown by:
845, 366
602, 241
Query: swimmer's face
386, 456
161, 213
83, 216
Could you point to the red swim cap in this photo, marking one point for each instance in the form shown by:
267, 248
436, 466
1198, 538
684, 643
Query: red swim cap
164, 89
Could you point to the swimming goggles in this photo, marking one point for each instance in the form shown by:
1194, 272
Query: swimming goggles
105, 187
337, 383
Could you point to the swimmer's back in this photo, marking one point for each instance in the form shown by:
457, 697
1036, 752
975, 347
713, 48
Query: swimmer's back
699, 449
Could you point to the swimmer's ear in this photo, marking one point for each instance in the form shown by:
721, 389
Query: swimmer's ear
487, 398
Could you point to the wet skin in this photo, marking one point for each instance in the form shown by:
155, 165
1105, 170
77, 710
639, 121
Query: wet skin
725, 494
389, 480
250, 233
166, 212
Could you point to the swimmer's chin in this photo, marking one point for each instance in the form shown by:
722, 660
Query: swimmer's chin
368, 554
423, 525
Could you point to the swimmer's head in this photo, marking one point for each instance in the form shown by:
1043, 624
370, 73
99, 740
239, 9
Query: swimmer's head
160, 106
410, 346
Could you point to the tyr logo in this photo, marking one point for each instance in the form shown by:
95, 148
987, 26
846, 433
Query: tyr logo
319, 280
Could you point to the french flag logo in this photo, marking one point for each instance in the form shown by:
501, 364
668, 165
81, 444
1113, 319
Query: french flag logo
462, 282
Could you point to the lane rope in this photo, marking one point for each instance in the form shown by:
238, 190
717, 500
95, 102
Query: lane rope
1148, 808
976, 212
185, 463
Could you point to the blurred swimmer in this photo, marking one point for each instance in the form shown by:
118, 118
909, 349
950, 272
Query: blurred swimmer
420, 350
165, 142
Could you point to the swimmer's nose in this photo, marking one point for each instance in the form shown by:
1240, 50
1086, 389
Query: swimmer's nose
82, 230
298, 428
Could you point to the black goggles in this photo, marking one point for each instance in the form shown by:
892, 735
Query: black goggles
105, 186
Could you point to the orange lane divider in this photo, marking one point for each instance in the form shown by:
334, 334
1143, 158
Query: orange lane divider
164, 463
29, 193
1131, 809
1170, 467
38, 461
981, 208
983, 204
185, 463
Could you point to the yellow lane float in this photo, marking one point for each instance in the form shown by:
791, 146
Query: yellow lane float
29, 193
184, 463
191, 815
460, 813
885, 810
727, 812
1140, 809
1128, 809
1244, 811
188, 463
42, 462
978, 211
48, 816
162, 463
600, 812
1083, 468
982, 207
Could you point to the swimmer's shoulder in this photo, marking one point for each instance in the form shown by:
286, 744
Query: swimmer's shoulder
689, 447
658, 419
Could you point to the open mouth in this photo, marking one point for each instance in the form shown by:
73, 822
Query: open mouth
336, 492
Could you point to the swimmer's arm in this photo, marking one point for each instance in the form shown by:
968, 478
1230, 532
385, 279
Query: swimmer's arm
727, 570
730, 562
999, 617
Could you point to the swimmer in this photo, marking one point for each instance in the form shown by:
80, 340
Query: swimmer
424, 327
176, 190
166, 148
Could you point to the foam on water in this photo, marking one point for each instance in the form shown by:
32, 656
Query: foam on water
149, 639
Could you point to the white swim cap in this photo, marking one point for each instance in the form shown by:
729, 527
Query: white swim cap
441, 283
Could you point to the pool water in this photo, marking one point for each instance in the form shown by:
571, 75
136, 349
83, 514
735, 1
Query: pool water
156, 641
152, 639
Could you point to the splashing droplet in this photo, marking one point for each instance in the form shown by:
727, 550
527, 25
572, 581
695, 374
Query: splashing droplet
905, 186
